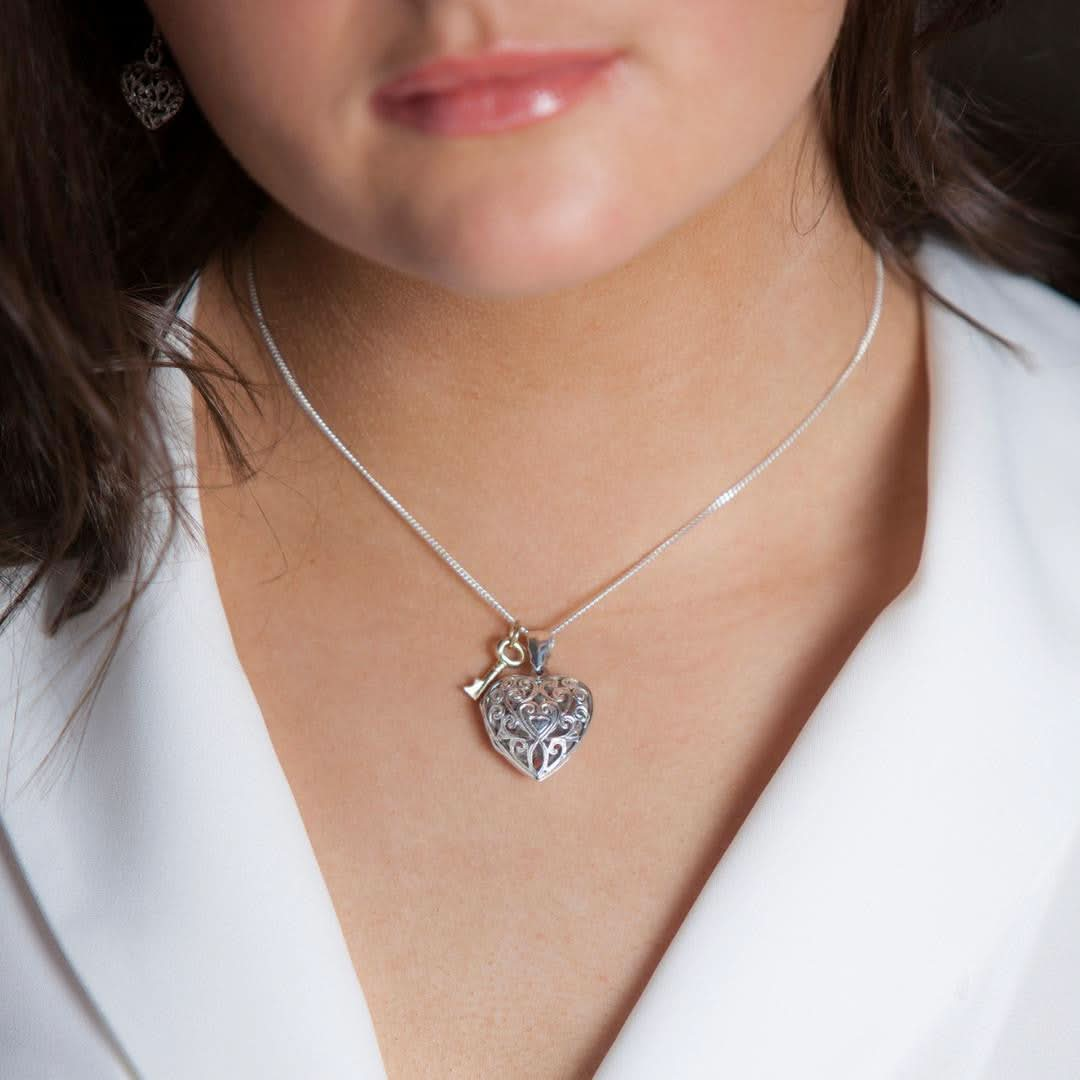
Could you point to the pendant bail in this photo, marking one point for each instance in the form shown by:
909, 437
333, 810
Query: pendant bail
540, 645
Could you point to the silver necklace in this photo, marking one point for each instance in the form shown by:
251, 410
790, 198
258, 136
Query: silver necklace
537, 720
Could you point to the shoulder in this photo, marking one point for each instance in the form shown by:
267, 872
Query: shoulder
1042, 321
1023, 402
1005, 432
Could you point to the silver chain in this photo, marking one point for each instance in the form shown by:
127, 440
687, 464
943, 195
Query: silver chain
720, 500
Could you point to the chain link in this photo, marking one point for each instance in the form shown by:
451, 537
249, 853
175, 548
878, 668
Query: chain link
724, 497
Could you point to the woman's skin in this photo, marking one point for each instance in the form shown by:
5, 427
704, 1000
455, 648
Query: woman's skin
554, 345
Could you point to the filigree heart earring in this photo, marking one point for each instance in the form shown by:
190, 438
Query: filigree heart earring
153, 88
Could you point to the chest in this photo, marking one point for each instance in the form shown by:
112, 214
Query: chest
498, 926
501, 927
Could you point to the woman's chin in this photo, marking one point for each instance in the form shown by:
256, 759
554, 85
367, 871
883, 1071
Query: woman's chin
507, 247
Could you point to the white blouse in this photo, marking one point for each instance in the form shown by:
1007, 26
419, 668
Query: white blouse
902, 902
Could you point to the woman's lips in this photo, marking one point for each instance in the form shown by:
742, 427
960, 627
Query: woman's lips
471, 95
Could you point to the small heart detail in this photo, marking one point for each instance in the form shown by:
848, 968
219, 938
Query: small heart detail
536, 721
154, 94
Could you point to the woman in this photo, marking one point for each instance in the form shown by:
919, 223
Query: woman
555, 275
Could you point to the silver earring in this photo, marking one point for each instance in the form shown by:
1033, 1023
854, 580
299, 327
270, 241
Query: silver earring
152, 88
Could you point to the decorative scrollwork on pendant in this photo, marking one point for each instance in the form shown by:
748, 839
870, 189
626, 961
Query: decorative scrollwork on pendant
536, 721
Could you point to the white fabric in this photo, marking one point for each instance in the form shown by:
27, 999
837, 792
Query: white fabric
902, 903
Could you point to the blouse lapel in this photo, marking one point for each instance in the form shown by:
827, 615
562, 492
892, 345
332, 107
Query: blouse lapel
922, 805
171, 861
925, 811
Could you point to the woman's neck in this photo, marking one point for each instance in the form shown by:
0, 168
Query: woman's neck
604, 415
727, 304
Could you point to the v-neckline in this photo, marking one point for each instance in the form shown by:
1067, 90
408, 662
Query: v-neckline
873, 915
188, 308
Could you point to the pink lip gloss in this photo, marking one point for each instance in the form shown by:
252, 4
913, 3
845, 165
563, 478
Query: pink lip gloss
488, 93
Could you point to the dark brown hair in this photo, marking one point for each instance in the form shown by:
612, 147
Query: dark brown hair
102, 222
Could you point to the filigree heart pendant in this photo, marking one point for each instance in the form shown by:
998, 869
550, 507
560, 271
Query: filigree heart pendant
536, 720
